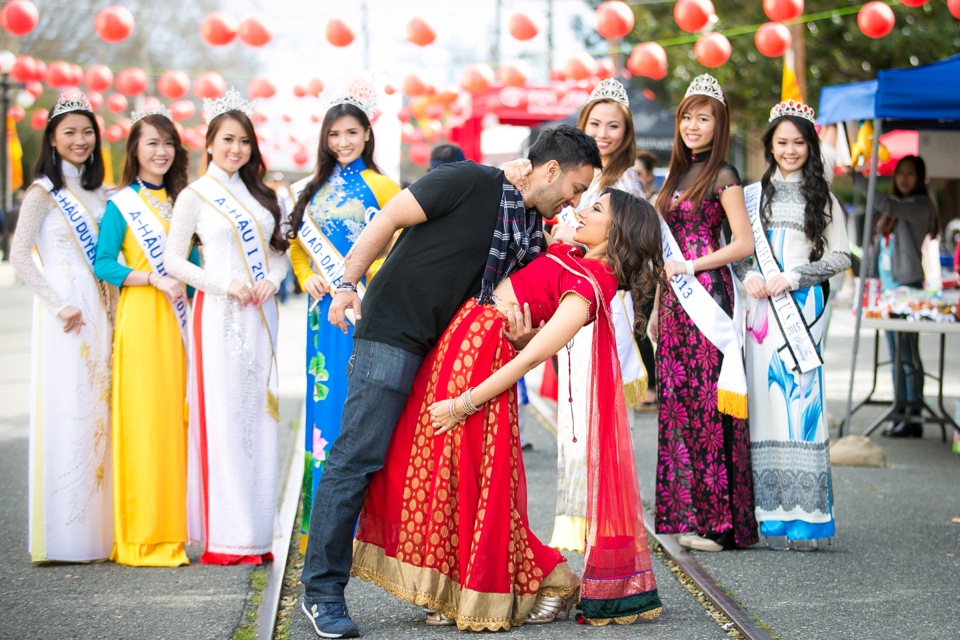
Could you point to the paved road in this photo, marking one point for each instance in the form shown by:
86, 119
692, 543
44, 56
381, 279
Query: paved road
891, 573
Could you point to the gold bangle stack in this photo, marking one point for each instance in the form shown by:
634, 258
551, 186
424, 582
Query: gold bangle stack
462, 407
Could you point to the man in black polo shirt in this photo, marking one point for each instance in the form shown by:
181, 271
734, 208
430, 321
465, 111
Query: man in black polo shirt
464, 229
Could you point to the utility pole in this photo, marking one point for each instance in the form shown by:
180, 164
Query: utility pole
797, 33
5, 197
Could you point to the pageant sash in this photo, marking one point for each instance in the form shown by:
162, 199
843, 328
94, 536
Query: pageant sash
254, 251
150, 235
297, 188
723, 332
797, 336
83, 228
568, 217
326, 259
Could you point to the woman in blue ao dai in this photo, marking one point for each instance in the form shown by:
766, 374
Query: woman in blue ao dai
333, 207
804, 229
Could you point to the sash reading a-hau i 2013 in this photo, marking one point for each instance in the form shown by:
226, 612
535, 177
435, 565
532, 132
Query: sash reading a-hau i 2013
713, 322
254, 251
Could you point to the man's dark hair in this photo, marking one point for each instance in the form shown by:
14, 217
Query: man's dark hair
569, 146
647, 159
444, 153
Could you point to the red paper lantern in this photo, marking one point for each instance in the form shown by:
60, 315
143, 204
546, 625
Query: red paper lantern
98, 77
614, 19
954, 7
24, 69
420, 33
39, 70
712, 50
783, 10
914, 3
114, 24
255, 32
389, 89
409, 134
258, 118
39, 119
580, 67
209, 84
772, 39
315, 87
261, 87
19, 17
116, 103
300, 157
125, 125
692, 15
95, 98
419, 153
521, 26
219, 28
605, 68
875, 19
435, 111
173, 84
182, 110
338, 33
477, 78
514, 74
17, 113
113, 133
414, 85
131, 82
299, 90
58, 74
649, 60
34, 88
101, 125
75, 76
314, 118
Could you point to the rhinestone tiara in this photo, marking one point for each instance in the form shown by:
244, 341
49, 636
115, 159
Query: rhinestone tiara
792, 108
705, 84
73, 100
231, 101
357, 90
153, 109
610, 89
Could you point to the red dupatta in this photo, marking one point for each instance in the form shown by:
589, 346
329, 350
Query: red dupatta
618, 582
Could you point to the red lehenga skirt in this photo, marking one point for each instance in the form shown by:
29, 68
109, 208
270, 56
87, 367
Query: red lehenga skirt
444, 523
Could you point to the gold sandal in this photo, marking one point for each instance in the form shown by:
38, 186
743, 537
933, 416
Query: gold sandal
437, 619
548, 608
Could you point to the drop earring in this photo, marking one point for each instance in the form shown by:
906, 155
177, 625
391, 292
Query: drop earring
210, 151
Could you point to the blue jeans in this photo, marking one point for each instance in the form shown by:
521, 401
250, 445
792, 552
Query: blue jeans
910, 390
379, 379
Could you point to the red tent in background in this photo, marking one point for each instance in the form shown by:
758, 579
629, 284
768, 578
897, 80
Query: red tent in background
518, 106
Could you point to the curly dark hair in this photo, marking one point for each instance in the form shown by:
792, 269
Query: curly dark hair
634, 249
813, 184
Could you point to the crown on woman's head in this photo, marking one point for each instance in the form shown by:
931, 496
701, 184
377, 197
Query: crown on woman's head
230, 101
151, 109
73, 100
705, 84
610, 89
357, 90
792, 108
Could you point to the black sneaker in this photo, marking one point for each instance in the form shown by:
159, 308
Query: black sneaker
331, 620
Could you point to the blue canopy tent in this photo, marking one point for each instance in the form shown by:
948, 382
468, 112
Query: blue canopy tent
927, 97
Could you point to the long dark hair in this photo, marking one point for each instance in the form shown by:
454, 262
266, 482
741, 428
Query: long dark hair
813, 184
327, 159
175, 179
680, 158
622, 159
634, 249
252, 174
48, 162
920, 167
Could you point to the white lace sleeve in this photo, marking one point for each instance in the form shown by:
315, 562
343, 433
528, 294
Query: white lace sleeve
279, 265
36, 206
630, 182
183, 225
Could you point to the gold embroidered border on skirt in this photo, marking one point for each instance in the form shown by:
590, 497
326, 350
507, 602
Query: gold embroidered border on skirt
652, 614
429, 588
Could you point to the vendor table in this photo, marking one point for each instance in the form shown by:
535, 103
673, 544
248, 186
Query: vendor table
898, 409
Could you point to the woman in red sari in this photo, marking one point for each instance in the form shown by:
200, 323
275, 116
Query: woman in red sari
444, 524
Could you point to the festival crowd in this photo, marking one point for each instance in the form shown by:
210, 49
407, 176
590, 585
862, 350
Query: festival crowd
154, 407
